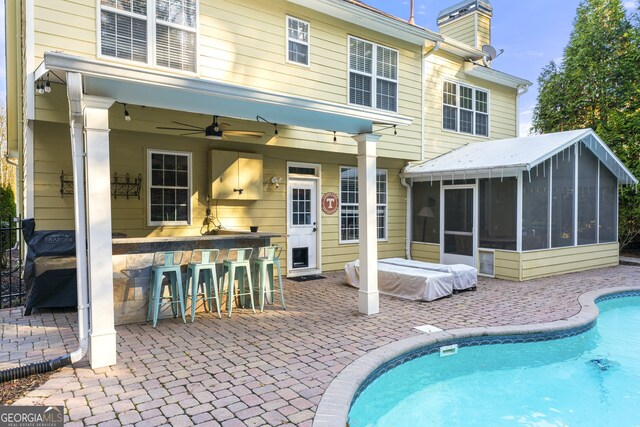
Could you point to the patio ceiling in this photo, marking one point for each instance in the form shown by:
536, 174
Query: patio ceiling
153, 88
509, 157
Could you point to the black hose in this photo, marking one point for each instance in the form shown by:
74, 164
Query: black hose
34, 368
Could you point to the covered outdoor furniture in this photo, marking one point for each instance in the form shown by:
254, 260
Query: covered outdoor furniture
50, 268
465, 277
407, 282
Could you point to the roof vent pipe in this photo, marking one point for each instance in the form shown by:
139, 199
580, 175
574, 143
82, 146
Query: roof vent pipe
412, 21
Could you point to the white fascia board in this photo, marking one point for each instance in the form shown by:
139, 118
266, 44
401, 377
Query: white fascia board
368, 18
171, 91
461, 49
437, 175
494, 76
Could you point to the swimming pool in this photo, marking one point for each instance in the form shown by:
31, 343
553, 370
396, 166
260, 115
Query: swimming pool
589, 379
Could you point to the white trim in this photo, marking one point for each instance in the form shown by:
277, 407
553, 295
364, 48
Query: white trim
459, 108
386, 205
189, 220
519, 182
474, 230
353, 12
576, 189
308, 43
318, 179
598, 202
374, 75
151, 20
154, 88
494, 76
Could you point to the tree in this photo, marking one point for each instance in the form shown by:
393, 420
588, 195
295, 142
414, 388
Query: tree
598, 86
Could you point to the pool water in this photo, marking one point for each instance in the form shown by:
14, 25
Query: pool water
591, 379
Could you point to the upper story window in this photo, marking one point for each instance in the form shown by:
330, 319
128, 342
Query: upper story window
127, 26
465, 109
373, 75
297, 41
169, 188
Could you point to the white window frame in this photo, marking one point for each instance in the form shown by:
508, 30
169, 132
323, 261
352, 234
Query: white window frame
187, 154
459, 109
308, 43
374, 75
151, 20
385, 205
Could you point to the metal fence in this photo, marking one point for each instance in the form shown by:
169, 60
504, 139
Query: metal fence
12, 291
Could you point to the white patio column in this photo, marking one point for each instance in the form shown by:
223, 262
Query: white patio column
102, 333
368, 296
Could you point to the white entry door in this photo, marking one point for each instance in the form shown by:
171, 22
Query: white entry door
302, 242
458, 217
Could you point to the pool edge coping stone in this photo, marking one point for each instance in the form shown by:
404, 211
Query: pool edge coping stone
335, 404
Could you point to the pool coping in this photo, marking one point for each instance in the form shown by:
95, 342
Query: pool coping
334, 406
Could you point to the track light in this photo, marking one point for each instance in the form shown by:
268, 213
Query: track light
47, 85
127, 117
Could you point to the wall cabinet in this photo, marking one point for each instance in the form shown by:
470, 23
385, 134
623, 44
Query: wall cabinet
236, 176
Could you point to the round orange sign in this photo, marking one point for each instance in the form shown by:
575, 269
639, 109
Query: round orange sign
329, 203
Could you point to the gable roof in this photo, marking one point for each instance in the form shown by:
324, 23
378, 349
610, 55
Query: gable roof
508, 157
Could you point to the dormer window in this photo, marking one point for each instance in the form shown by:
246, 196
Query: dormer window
126, 26
297, 41
373, 75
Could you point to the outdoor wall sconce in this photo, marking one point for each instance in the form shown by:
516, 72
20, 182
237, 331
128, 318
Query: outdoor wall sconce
275, 181
127, 117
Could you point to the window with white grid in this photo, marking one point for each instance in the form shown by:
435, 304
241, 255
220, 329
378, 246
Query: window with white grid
373, 75
159, 32
169, 187
349, 220
465, 109
297, 41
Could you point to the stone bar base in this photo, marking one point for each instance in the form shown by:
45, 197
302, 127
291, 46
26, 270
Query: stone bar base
132, 260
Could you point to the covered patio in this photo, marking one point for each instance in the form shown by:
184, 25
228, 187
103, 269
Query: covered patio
271, 368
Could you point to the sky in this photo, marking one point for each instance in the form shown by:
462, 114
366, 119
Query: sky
531, 32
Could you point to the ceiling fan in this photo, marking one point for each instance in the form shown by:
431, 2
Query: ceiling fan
213, 131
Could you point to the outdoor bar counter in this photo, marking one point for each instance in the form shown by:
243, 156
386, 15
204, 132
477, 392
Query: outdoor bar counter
133, 257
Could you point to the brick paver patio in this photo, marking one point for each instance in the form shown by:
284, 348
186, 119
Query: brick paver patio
270, 368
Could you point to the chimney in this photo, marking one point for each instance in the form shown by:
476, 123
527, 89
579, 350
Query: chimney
468, 22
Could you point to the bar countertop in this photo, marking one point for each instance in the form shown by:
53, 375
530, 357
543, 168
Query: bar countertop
223, 239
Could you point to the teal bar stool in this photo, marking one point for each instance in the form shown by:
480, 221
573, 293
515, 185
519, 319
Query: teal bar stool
268, 258
166, 264
237, 259
203, 261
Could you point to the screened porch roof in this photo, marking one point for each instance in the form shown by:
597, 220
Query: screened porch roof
508, 157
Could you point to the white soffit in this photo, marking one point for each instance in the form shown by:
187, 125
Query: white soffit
508, 157
494, 76
152, 88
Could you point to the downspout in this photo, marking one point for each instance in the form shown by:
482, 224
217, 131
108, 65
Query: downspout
403, 181
76, 121
520, 90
